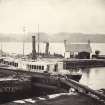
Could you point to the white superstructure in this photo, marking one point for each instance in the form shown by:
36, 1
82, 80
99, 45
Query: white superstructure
50, 66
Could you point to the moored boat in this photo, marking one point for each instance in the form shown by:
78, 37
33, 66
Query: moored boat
45, 73
43, 66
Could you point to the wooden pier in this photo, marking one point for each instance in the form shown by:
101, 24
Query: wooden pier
84, 89
13, 85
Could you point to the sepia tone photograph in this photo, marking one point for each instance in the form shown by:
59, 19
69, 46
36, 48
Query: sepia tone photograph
52, 52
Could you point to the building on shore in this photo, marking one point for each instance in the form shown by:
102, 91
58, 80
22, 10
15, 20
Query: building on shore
77, 50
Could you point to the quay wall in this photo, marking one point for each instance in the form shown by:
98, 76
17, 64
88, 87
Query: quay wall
83, 63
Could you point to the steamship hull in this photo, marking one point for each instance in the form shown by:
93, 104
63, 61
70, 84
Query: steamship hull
41, 83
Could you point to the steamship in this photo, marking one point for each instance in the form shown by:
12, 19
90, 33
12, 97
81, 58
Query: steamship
45, 73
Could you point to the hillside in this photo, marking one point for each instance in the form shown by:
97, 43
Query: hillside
57, 37
79, 37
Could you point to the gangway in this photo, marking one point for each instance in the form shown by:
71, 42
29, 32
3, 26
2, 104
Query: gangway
84, 89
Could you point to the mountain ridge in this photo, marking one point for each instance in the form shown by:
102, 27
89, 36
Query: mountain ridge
56, 37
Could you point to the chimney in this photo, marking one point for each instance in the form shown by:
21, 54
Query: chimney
47, 48
33, 48
89, 42
65, 47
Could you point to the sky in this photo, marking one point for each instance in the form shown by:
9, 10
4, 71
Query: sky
53, 16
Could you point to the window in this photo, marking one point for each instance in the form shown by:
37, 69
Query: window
42, 67
10, 63
4, 62
16, 64
34, 66
7, 62
13, 64
39, 67
48, 67
56, 67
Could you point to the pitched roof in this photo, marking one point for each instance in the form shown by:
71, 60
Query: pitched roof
78, 47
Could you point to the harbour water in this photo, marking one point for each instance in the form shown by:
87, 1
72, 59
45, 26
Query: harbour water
93, 77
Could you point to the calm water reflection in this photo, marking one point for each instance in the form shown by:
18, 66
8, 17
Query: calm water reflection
93, 77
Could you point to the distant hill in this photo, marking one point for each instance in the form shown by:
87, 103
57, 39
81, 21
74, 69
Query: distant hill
57, 37
5, 38
20, 37
79, 37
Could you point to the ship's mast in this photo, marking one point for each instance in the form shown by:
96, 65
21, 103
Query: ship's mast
23, 39
38, 41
